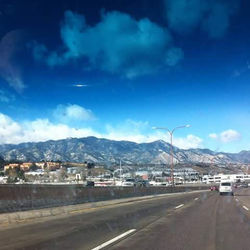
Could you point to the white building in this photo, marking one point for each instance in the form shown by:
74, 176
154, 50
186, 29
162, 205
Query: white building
223, 177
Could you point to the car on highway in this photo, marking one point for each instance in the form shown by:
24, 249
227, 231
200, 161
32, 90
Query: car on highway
214, 188
226, 188
142, 183
244, 185
129, 183
159, 183
90, 184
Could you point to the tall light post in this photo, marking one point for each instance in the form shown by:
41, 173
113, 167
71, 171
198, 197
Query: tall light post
171, 142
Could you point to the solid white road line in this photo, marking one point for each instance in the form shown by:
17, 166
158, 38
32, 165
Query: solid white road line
179, 206
105, 244
246, 208
196, 199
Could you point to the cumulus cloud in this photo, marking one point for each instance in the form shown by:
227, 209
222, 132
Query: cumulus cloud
72, 112
230, 135
211, 16
128, 130
43, 129
118, 44
140, 132
226, 136
10, 131
213, 136
190, 141
37, 130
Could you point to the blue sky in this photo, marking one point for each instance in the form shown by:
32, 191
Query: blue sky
114, 70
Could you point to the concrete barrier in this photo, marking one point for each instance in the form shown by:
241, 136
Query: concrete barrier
27, 196
31, 216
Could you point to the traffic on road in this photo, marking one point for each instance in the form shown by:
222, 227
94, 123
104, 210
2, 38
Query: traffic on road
213, 222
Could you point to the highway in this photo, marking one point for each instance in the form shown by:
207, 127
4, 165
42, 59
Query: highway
197, 220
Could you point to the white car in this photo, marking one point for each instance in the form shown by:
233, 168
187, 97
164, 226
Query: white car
128, 183
226, 188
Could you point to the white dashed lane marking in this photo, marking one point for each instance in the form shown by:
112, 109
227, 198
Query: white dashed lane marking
107, 243
246, 208
179, 206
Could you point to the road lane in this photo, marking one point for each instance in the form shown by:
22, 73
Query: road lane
215, 223
89, 229
243, 197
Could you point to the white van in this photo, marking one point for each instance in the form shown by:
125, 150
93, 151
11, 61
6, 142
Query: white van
226, 187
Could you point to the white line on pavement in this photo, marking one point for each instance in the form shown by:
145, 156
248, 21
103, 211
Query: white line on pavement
179, 206
196, 199
237, 200
246, 208
105, 244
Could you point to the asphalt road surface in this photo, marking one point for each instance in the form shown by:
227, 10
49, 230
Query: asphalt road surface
199, 220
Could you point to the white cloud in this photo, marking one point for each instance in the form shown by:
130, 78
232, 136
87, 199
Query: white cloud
43, 130
142, 132
37, 130
129, 130
118, 44
226, 136
213, 136
190, 141
79, 85
10, 131
72, 112
230, 135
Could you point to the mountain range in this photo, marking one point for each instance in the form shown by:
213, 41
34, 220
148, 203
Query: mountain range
104, 151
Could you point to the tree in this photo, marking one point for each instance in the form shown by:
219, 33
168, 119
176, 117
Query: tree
62, 174
15, 174
33, 167
90, 165
20, 174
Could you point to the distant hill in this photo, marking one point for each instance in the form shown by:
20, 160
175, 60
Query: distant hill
92, 149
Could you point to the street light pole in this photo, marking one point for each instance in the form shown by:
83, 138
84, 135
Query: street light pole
171, 132
172, 157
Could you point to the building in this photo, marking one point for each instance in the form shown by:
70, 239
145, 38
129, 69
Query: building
52, 165
142, 174
225, 177
38, 172
40, 164
26, 166
11, 166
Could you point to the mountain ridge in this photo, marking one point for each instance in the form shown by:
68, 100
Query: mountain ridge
105, 151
